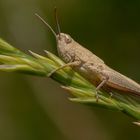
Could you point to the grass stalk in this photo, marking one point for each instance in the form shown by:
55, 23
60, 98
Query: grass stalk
14, 60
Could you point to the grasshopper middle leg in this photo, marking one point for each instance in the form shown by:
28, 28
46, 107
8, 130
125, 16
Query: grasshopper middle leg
105, 79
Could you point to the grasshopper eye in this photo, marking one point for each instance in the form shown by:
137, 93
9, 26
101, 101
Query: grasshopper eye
68, 40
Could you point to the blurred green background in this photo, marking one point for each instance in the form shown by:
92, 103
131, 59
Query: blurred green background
35, 108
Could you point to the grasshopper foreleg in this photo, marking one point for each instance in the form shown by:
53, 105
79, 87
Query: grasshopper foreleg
71, 64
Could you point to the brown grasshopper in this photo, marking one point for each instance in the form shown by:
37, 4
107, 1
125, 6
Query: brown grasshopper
89, 65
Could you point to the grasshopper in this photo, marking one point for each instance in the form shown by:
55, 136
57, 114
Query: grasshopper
89, 65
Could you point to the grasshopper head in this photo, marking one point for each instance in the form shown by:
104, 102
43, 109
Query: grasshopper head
64, 41
65, 46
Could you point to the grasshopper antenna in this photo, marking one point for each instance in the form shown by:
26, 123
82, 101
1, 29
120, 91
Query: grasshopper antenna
57, 22
39, 17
